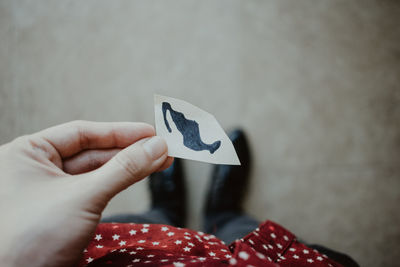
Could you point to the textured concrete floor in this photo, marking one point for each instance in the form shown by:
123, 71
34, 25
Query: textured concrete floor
316, 84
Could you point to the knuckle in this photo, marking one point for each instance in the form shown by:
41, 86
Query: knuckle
129, 163
84, 139
81, 129
94, 162
34, 147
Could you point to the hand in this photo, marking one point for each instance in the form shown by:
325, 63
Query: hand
55, 184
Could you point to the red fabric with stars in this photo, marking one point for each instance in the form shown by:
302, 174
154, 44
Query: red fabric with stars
271, 245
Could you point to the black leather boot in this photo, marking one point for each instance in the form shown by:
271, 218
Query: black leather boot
229, 182
168, 193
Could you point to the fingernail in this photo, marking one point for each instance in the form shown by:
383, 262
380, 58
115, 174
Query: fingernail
155, 146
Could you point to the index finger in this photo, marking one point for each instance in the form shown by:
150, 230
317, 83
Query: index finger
73, 137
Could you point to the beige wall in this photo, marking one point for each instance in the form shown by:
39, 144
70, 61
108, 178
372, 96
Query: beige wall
314, 83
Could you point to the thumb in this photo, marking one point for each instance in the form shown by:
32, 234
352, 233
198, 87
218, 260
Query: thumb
131, 165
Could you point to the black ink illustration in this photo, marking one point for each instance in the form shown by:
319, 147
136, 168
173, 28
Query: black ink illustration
189, 129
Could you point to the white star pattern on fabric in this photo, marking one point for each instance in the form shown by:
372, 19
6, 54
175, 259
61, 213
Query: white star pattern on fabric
146, 225
179, 264
244, 255
180, 246
85, 250
132, 232
261, 256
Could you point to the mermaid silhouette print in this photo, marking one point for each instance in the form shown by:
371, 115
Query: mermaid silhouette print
189, 130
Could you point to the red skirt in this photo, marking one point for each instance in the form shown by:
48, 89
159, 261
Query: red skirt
122, 244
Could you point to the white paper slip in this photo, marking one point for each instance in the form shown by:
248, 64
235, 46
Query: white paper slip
192, 133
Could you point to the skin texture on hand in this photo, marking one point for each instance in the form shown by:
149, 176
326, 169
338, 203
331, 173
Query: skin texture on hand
54, 185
